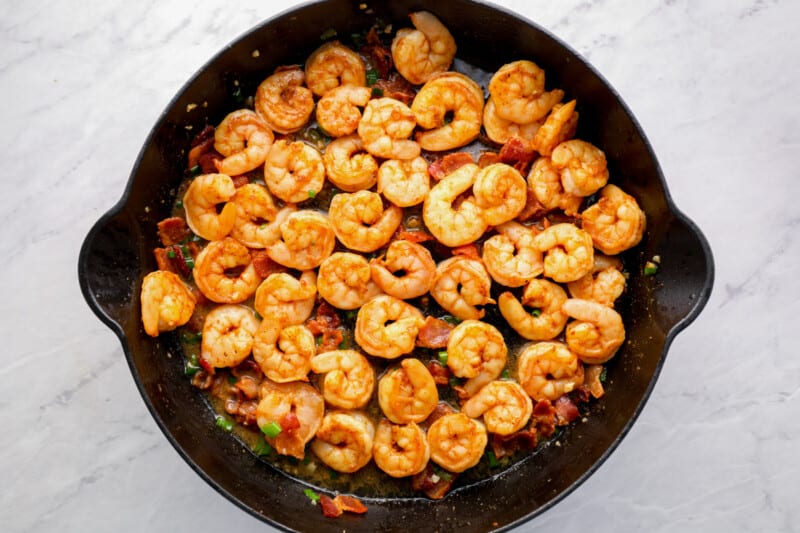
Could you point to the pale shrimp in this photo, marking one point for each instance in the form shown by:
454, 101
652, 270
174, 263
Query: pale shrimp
450, 225
421, 53
349, 378
505, 407
345, 281
500, 192
332, 65
415, 263
244, 139
167, 302
560, 126
603, 285
569, 254
476, 351
284, 353
380, 339
228, 333
457, 442
407, 393
348, 166
518, 92
545, 182
548, 370
200, 202
444, 94
404, 182
283, 102
400, 450
616, 222
360, 221
257, 220
338, 111
297, 406
510, 256
596, 333
461, 284
344, 440
224, 272
501, 130
582, 167
307, 238
385, 128
546, 319
283, 299
294, 171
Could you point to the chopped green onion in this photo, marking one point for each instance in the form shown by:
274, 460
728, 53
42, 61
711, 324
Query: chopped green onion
505, 374
443, 357
358, 39
603, 375
312, 193
232, 380
271, 430
333, 474
443, 474
258, 316
451, 320
377, 92
192, 366
650, 268
351, 314
344, 345
536, 313
311, 495
189, 262
330, 33
372, 77
192, 338
195, 170
455, 382
179, 204
237, 95
318, 340
262, 447
171, 254
493, 462
224, 423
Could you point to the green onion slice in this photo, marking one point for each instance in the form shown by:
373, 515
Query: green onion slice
271, 430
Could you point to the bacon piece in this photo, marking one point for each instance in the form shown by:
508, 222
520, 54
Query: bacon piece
434, 333
239, 181
533, 207
503, 445
329, 509
163, 260
246, 415
449, 164
467, 250
289, 422
415, 236
396, 87
543, 419
326, 323
208, 162
327, 314
247, 386
566, 410
517, 153
581, 394
264, 265
440, 373
488, 158
202, 380
202, 143
439, 411
380, 55
350, 504
434, 485
172, 230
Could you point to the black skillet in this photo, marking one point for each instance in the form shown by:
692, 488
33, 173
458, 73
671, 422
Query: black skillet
117, 253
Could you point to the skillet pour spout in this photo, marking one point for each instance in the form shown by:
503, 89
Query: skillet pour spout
117, 253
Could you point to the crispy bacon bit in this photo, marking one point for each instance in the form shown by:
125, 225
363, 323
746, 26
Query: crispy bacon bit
380, 55
503, 445
331, 339
327, 313
329, 509
566, 410
350, 504
289, 422
581, 394
449, 164
434, 485
246, 415
264, 265
396, 87
325, 323
533, 208
434, 333
440, 373
202, 143
202, 380
163, 260
208, 162
415, 236
172, 230
517, 153
544, 418
248, 386
467, 250
440, 410
488, 158
239, 181
199, 299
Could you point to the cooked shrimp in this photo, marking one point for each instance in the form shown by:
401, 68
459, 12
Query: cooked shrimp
388, 341
450, 225
307, 238
348, 166
360, 221
349, 378
505, 407
408, 393
548, 370
167, 302
345, 281
215, 272
616, 222
518, 92
332, 65
338, 111
258, 222
404, 182
385, 128
294, 171
290, 405
400, 450
228, 333
545, 182
344, 441
421, 53
283, 102
510, 256
457, 442
500, 191
596, 333
416, 264
244, 139
284, 353
603, 285
546, 320
569, 254
200, 202
476, 351
283, 299
461, 284
445, 93
582, 167
560, 126
501, 130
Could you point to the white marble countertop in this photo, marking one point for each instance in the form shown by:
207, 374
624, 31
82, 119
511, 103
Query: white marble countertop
716, 448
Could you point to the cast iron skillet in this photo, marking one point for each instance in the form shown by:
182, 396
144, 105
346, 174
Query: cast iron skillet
117, 253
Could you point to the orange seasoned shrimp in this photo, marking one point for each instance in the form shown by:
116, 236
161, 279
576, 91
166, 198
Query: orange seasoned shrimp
166, 302
408, 393
200, 202
560, 126
284, 353
404, 182
548, 370
457, 442
545, 182
603, 285
546, 320
461, 284
291, 405
344, 441
332, 65
348, 166
228, 333
500, 191
476, 351
244, 139
360, 221
257, 220
582, 167
518, 92
421, 53
283, 102
338, 111
286, 300
569, 254
400, 450
454, 226
505, 407
307, 238
294, 171
616, 222
385, 128
213, 272
345, 281
596, 333
510, 256
349, 378
416, 263
448, 92
380, 339
501, 130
